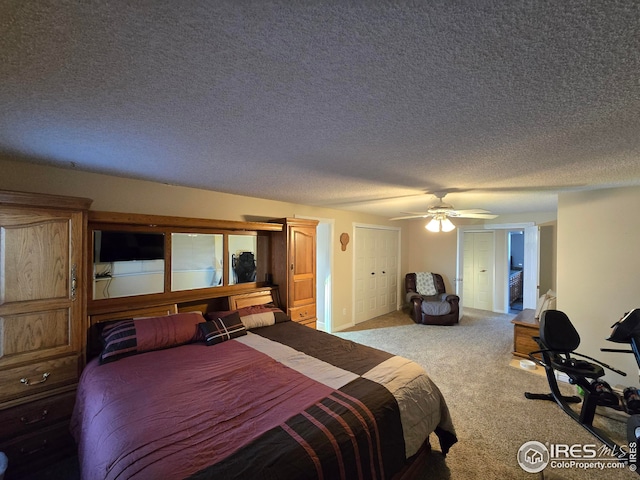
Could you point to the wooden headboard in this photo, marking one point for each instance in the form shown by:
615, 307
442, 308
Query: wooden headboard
232, 302
97, 321
250, 299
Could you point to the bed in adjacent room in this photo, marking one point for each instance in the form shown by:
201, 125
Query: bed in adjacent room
250, 394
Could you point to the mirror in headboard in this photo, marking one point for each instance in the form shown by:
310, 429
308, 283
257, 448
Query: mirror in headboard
197, 260
243, 259
138, 260
127, 262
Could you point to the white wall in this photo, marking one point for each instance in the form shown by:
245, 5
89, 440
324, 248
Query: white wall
598, 270
548, 257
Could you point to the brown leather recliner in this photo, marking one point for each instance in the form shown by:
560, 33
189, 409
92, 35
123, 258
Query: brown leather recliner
415, 300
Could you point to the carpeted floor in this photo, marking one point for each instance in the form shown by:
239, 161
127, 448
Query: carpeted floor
470, 364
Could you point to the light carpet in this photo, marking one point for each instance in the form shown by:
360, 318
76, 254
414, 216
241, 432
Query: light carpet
470, 364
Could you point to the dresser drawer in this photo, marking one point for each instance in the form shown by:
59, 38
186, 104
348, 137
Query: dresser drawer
38, 377
32, 451
305, 314
31, 416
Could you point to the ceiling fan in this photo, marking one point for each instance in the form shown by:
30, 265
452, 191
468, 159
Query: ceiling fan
440, 213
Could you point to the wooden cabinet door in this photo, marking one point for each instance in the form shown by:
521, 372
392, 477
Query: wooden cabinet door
302, 265
40, 266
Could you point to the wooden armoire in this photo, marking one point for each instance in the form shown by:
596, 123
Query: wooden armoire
296, 277
42, 324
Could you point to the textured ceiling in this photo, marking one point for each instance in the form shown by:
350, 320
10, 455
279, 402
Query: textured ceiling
343, 104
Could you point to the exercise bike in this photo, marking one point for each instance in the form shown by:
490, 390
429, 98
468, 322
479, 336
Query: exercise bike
558, 340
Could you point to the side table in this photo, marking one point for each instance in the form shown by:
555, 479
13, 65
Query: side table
525, 327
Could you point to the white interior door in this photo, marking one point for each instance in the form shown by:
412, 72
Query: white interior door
387, 273
479, 270
468, 287
376, 272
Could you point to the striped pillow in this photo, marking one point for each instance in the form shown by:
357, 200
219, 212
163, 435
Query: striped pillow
136, 335
254, 316
218, 330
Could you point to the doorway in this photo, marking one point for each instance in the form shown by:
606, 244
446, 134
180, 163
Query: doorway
515, 260
501, 267
324, 254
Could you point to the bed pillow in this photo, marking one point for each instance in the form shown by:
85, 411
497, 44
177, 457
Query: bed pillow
136, 335
254, 316
218, 330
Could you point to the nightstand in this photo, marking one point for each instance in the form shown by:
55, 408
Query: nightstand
525, 327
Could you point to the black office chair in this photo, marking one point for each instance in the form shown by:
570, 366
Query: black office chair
558, 341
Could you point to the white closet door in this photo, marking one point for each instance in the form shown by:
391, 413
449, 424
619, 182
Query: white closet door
376, 272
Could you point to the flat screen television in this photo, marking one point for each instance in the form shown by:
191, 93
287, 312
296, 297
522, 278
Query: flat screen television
113, 246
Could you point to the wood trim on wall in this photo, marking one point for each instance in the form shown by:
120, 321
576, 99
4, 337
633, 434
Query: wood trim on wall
42, 200
184, 222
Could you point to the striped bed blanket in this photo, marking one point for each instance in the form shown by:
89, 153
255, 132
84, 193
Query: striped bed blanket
284, 401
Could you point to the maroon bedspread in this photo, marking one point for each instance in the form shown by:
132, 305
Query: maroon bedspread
232, 411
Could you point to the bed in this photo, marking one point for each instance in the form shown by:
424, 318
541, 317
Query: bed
250, 395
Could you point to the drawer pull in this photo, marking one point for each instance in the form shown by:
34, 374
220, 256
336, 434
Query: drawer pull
26, 421
28, 383
24, 451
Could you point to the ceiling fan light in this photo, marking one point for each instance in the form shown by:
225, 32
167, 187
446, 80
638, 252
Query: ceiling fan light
433, 225
447, 225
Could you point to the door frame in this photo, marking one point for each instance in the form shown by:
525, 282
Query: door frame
531, 278
354, 227
531, 284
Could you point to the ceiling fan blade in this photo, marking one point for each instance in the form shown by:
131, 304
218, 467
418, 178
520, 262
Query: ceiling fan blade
418, 215
476, 215
470, 211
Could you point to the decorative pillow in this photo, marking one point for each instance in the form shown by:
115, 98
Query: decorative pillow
218, 330
254, 316
546, 302
136, 335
